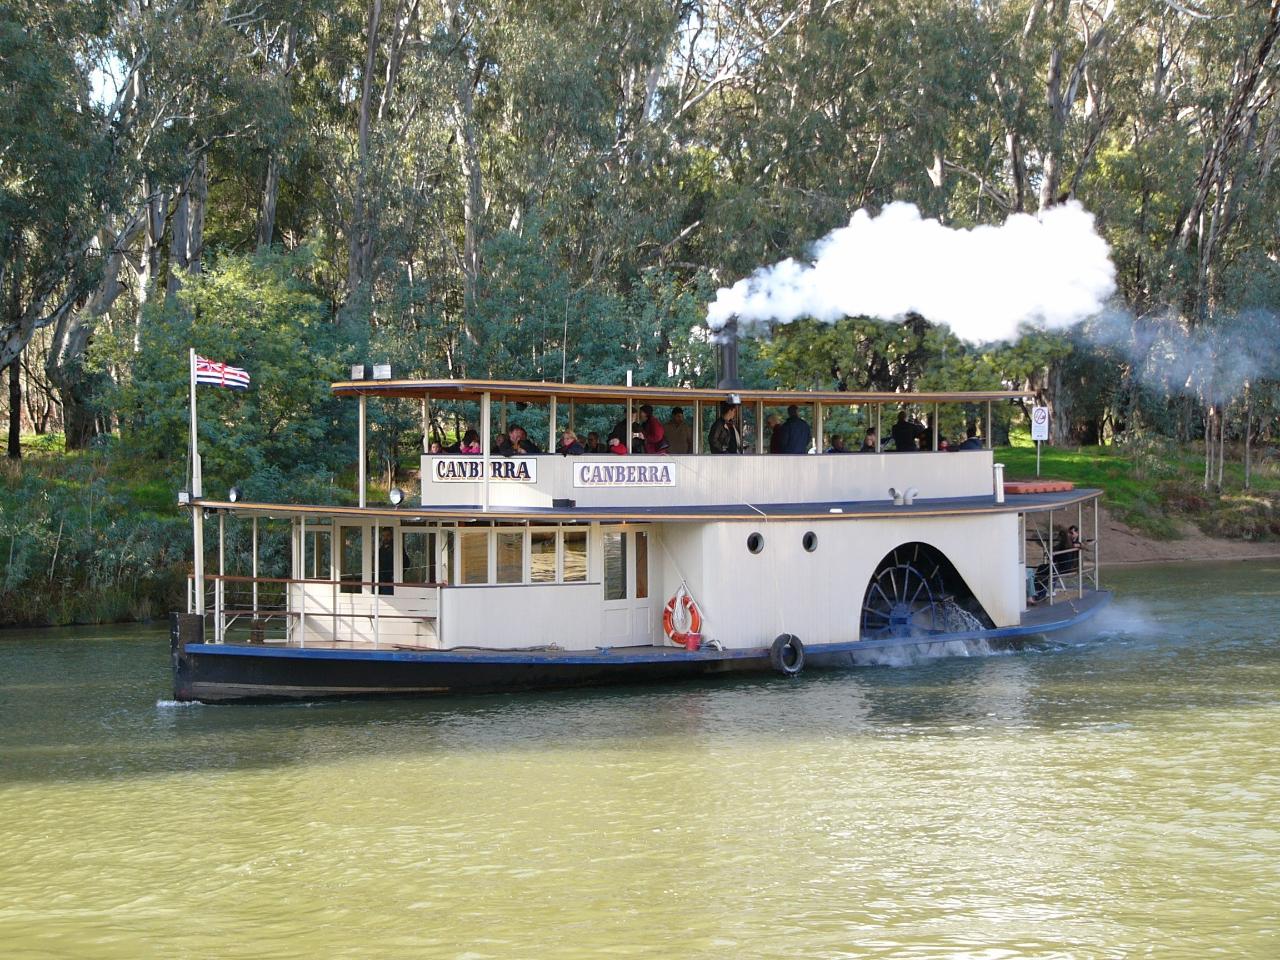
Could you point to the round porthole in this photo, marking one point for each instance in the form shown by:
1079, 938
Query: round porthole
810, 541
755, 543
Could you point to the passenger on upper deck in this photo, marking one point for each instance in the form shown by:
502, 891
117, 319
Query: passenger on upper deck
869, 444
724, 436
773, 424
679, 433
837, 445
593, 444
972, 441
617, 445
906, 432
654, 433
569, 445
795, 432
517, 442
470, 442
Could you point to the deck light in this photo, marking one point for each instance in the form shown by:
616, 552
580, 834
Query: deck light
382, 371
233, 494
396, 496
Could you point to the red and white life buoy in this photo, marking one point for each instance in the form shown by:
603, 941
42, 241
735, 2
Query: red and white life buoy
682, 620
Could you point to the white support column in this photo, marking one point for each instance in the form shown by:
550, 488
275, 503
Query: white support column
759, 426
255, 568
362, 467
819, 428
986, 439
486, 441
302, 576
220, 591
879, 434
377, 580
697, 426
1080, 552
426, 423
197, 548
935, 426
1053, 561
551, 435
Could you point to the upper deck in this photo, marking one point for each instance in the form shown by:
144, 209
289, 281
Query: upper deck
489, 482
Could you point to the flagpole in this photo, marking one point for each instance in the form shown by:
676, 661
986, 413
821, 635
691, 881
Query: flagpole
197, 511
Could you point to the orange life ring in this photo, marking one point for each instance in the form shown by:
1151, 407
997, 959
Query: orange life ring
686, 638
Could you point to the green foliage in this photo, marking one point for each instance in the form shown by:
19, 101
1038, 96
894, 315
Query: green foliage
262, 314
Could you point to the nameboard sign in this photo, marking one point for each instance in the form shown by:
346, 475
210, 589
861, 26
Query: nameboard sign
471, 469
620, 474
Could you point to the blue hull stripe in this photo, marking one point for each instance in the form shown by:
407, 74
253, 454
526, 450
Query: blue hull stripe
619, 655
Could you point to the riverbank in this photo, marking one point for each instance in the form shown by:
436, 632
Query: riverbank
1123, 545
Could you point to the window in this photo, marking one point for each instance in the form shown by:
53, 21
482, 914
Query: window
642, 565
755, 543
542, 556
510, 556
473, 552
575, 556
615, 566
810, 541
418, 556
319, 560
351, 559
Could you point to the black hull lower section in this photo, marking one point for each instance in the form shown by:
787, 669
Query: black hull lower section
214, 673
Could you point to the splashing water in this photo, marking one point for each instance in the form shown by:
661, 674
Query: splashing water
1052, 269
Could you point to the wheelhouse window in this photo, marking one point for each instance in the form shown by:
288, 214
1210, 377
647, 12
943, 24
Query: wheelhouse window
473, 556
418, 557
575, 556
351, 559
542, 556
615, 566
510, 556
319, 555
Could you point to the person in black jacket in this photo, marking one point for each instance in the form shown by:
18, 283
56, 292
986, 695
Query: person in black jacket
906, 432
724, 436
795, 431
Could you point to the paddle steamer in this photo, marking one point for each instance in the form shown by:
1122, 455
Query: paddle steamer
546, 571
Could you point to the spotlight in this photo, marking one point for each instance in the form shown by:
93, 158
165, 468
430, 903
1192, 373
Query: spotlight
396, 496
233, 494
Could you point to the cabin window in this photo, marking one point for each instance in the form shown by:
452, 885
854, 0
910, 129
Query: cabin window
755, 543
418, 556
575, 556
542, 556
351, 559
319, 557
473, 556
615, 566
810, 541
642, 565
510, 556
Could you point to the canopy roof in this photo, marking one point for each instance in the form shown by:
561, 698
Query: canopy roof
529, 391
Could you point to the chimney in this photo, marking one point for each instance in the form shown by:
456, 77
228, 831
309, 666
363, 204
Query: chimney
727, 356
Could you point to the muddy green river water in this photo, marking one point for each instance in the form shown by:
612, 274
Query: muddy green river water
1114, 798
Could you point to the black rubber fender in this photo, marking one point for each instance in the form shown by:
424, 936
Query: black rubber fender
787, 654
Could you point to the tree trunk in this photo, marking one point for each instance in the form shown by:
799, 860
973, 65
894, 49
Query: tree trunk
271, 191
15, 410
360, 239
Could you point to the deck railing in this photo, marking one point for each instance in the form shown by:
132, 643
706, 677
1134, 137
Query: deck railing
240, 609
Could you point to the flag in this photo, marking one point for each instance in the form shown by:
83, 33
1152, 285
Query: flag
220, 374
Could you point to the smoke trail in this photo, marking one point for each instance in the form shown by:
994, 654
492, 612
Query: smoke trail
1052, 269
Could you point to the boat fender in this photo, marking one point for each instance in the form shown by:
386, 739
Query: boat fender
682, 620
787, 654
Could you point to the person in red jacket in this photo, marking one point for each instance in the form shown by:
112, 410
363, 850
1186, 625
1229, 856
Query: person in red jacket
654, 432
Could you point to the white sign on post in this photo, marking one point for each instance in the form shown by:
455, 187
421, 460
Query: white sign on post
1040, 423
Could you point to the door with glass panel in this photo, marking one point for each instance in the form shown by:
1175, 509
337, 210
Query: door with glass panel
628, 610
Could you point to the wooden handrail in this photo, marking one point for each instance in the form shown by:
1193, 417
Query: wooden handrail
341, 583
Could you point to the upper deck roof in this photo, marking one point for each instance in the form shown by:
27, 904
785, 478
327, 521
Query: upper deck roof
523, 390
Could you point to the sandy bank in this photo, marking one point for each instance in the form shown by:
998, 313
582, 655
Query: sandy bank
1122, 544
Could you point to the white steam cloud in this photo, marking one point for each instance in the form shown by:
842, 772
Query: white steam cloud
1052, 269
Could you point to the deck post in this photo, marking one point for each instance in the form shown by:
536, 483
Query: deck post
219, 594
1097, 560
986, 434
551, 435
627, 439
573, 424
486, 441
819, 428
935, 426
697, 426
255, 568
759, 426
362, 453
1080, 552
377, 582
879, 435
197, 546
302, 585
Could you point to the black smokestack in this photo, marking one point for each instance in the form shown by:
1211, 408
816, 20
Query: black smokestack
727, 355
